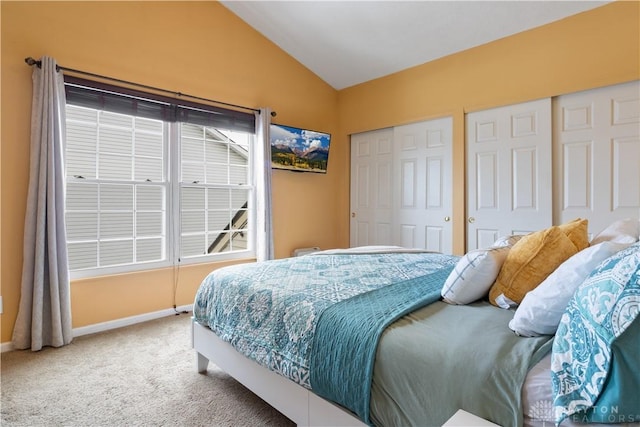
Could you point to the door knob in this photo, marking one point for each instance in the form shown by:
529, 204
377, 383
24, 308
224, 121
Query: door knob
447, 219
471, 220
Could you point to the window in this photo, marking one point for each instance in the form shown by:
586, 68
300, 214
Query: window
214, 191
151, 183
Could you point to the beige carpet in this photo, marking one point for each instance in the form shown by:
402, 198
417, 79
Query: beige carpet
141, 375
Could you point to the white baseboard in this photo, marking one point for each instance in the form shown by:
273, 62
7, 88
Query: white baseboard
6, 346
115, 324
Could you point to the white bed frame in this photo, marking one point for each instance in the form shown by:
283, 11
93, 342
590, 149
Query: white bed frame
294, 401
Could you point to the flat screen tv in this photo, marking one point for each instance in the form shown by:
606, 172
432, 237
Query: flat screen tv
299, 150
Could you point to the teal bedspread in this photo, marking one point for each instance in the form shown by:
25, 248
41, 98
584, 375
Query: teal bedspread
366, 331
269, 311
344, 348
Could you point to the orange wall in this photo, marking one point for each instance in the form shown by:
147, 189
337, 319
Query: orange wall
198, 48
201, 48
595, 48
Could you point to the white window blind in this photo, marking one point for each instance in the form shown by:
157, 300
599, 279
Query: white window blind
130, 205
215, 190
116, 189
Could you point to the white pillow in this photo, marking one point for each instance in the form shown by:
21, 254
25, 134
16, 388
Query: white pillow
541, 309
621, 231
507, 240
473, 275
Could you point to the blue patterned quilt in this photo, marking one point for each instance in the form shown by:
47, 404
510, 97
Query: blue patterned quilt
269, 311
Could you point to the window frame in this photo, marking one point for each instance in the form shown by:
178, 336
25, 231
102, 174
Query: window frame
172, 165
177, 184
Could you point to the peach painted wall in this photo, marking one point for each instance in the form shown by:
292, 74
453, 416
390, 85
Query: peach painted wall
198, 48
592, 49
596, 48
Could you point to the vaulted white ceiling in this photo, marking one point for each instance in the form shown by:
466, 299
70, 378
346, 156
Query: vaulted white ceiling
350, 42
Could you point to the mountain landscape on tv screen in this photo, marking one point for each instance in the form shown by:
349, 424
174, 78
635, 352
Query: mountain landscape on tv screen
299, 149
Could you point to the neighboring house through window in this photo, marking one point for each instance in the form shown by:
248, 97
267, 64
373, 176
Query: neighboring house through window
152, 183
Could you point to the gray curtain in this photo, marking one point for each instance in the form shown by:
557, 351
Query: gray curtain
44, 314
264, 244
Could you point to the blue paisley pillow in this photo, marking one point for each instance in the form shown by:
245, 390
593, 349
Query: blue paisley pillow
585, 359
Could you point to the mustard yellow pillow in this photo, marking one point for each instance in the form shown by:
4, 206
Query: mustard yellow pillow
576, 230
528, 263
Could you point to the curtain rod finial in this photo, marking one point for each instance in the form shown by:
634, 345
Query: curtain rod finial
30, 61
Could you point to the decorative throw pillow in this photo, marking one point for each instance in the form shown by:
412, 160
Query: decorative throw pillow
542, 308
621, 231
473, 275
528, 263
583, 369
507, 240
576, 230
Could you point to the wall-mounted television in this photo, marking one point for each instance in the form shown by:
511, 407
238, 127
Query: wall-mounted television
299, 150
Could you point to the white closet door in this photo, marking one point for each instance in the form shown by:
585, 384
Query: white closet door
508, 171
371, 184
597, 155
422, 186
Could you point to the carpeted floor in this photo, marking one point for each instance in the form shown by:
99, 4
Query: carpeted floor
140, 375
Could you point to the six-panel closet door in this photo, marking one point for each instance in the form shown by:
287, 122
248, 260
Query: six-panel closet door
597, 155
422, 190
508, 171
371, 186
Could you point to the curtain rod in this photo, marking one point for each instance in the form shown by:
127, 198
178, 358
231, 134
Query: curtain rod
30, 61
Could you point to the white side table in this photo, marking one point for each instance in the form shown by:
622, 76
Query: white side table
466, 419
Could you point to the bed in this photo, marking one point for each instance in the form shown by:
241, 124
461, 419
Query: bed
375, 336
